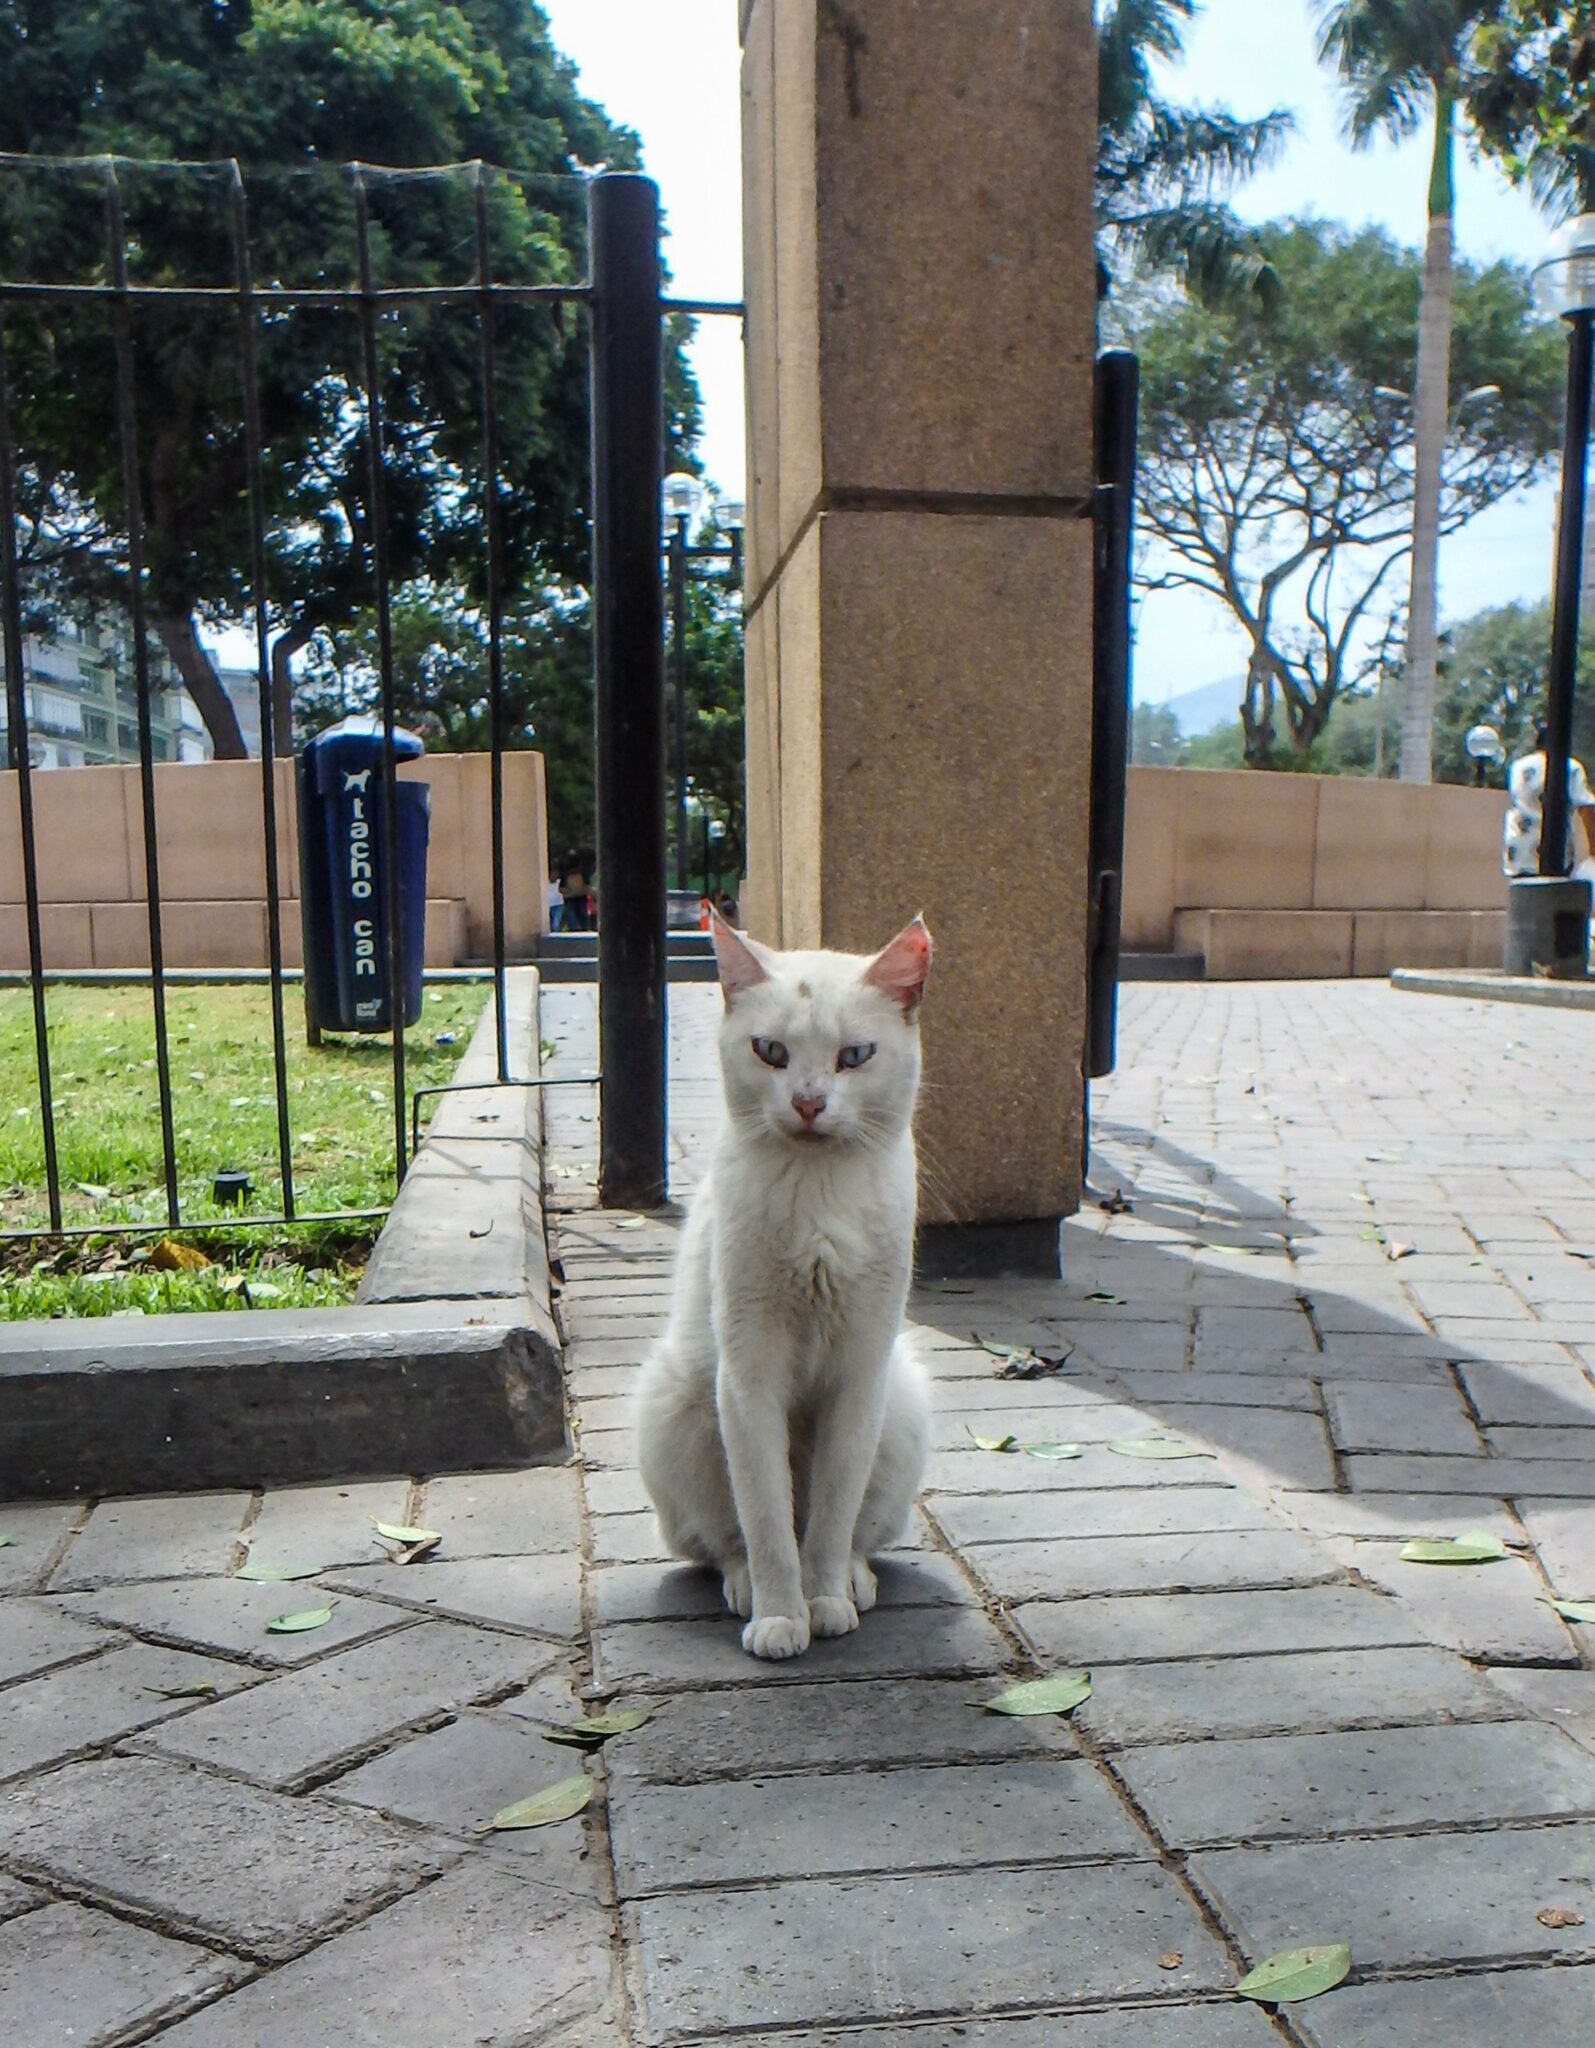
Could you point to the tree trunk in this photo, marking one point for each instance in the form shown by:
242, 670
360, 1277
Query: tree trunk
283, 649
1430, 401
180, 638
1257, 712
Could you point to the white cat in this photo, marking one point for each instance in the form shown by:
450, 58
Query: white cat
783, 1423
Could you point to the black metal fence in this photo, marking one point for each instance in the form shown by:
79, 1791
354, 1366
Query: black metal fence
622, 301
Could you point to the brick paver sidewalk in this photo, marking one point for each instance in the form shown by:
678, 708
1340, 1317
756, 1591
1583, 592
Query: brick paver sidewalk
1284, 1744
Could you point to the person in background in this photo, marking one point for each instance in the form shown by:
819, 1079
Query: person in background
1520, 839
575, 890
556, 903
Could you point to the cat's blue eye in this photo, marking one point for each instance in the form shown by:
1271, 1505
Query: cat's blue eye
853, 1056
771, 1051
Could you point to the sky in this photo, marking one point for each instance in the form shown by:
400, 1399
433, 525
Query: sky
669, 68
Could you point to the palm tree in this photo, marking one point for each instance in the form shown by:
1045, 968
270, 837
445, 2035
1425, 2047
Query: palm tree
1162, 169
1404, 62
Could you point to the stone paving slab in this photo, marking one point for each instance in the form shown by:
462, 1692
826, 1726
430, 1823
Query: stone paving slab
305, 1723
80, 1979
971, 1519
326, 1525
1397, 1517
35, 1531
1554, 1478
1303, 1691
1563, 1535
888, 1948
458, 1777
1532, 1394
17, 1898
1366, 1415
541, 1592
505, 1514
82, 1706
481, 1959
954, 1817
1186, 2026
232, 1615
165, 1536
1016, 1572
228, 1862
1403, 1900
760, 1730
643, 1592
908, 1642
1148, 1628
36, 1634
1294, 1785
1491, 2010
1496, 1613
1099, 1470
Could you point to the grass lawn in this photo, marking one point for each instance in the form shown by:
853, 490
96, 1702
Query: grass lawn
224, 1106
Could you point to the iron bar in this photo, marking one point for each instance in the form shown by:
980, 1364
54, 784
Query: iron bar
1564, 610
127, 423
210, 1227
628, 637
17, 738
678, 667
377, 520
1117, 378
494, 512
253, 456
297, 295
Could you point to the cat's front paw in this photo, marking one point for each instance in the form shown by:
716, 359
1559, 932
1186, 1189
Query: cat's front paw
776, 1635
737, 1586
861, 1584
832, 1614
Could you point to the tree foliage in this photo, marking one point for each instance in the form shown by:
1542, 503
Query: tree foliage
1276, 455
1163, 169
296, 90
1531, 95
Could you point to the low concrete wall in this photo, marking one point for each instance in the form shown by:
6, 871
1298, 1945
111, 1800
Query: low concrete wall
1284, 875
89, 832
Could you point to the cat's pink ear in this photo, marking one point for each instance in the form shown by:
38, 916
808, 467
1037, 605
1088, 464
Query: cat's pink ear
740, 963
899, 969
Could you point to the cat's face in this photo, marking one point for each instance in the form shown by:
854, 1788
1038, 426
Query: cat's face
821, 1049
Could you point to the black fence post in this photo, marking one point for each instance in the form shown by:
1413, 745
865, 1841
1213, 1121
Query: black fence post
628, 642
1117, 382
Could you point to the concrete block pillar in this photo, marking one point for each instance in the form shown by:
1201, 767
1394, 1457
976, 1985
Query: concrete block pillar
921, 282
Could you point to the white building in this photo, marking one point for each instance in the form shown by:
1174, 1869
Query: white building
82, 708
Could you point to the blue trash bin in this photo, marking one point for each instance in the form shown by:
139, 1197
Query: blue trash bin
343, 888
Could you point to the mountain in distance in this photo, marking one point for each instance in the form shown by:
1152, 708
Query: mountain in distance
1212, 704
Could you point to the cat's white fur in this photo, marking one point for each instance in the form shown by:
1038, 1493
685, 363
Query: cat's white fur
783, 1423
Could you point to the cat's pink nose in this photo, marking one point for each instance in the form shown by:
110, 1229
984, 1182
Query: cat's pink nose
808, 1106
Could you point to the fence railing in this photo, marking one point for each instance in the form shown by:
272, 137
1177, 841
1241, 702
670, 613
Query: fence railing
625, 306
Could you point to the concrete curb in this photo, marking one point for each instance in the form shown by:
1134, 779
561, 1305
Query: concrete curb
449, 1360
1485, 985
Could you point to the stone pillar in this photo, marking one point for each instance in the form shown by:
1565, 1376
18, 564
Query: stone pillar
921, 287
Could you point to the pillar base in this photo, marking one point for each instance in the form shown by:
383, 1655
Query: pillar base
1031, 1249
1547, 927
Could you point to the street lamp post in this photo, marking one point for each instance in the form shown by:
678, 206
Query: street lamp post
1547, 917
684, 497
1566, 285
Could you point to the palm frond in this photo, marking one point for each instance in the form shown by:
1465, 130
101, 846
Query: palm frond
1219, 259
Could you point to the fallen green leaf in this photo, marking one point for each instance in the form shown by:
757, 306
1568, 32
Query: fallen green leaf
306, 1618
1475, 1546
1296, 1973
553, 1803
1057, 1451
1059, 1694
1156, 1447
1102, 1294
632, 1223
1581, 1611
5, 1542
196, 1689
275, 1572
993, 1443
594, 1729
996, 1350
396, 1532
